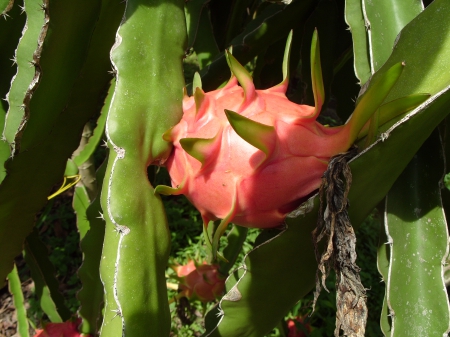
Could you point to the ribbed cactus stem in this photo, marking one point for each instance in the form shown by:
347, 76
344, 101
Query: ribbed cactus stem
27, 78
147, 57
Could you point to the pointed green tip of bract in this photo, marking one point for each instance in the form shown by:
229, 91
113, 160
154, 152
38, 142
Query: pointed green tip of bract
283, 86
167, 136
243, 76
166, 190
286, 58
199, 97
259, 135
197, 81
199, 148
316, 74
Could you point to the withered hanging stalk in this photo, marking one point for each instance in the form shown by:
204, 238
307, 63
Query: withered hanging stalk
334, 223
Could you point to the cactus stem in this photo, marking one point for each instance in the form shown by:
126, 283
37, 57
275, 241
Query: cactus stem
12, 131
7, 9
116, 273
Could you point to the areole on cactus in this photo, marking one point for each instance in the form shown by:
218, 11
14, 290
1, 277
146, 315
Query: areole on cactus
252, 156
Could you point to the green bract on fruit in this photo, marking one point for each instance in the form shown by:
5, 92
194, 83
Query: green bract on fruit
252, 156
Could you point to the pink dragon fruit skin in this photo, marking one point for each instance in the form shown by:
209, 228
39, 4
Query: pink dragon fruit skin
202, 282
238, 180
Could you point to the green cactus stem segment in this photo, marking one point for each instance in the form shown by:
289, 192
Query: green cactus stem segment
27, 78
261, 136
316, 74
373, 129
15, 289
201, 148
6, 9
244, 78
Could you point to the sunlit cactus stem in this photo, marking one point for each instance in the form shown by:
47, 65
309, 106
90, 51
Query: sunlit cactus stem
147, 58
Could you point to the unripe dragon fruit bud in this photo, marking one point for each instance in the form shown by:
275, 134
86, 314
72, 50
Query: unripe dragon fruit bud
252, 156
202, 282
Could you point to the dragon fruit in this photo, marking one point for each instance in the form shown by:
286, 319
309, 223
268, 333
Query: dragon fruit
202, 282
252, 156
66, 329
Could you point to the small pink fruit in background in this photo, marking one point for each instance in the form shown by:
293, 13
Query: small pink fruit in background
66, 329
293, 331
202, 282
